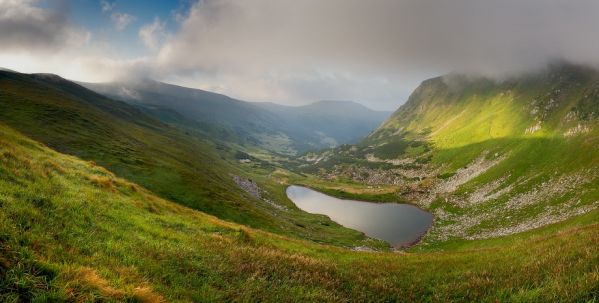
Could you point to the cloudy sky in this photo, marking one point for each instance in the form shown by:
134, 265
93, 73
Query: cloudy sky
295, 51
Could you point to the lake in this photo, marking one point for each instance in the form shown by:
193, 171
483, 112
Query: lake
397, 224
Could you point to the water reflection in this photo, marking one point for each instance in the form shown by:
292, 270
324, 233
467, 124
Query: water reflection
398, 224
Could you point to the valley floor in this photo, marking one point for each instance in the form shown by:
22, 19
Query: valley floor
481, 191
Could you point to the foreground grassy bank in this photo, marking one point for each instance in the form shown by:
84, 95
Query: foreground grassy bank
71, 230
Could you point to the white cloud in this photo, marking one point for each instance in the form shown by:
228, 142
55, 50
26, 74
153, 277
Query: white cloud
38, 38
299, 51
153, 34
121, 20
106, 6
292, 47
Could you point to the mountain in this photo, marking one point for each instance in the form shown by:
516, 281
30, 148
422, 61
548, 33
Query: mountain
186, 169
72, 231
100, 201
487, 157
339, 122
280, 129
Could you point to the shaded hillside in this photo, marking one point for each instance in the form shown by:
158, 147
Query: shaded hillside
183, 168
281, 129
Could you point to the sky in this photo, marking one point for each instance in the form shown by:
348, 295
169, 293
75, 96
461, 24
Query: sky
295, 52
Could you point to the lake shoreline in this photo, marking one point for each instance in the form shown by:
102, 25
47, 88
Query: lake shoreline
400, 225
324, 191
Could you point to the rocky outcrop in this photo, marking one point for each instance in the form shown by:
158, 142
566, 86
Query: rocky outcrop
252, 188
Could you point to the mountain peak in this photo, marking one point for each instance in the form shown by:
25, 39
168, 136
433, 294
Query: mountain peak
48, 76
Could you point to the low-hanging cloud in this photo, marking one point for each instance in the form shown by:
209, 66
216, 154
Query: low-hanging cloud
293, 51
262, 38
385, 35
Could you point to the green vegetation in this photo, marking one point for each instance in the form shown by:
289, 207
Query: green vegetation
114, 205
184, 168
486, 158
72, 231
392, 149
348, 189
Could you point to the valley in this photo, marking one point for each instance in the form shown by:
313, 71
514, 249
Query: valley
192, 170
193, 151
62, 224
466, 150
107, 199
254, 126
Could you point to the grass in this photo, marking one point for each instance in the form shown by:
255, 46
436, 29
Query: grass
115, 206
348, 189
451, 122
185, 168
72, 231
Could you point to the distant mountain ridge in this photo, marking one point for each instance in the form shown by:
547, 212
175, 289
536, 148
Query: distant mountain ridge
343, 121
278, 128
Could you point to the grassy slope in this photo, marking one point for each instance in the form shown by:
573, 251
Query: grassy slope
71, 230
463, 119
467, 119
174, 165
454, 112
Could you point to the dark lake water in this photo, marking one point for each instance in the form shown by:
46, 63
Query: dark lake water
397, 224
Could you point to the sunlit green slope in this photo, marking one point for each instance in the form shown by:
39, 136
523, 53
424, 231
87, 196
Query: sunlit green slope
487, 157
454, 111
